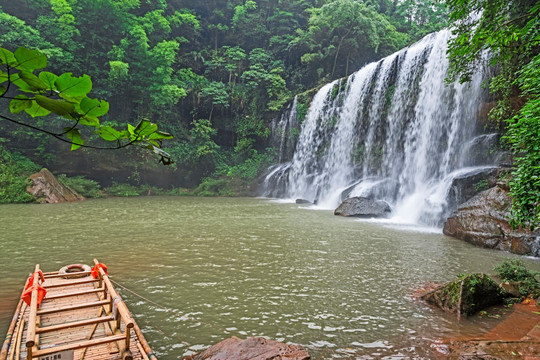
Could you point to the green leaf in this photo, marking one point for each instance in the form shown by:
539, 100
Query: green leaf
94, 107
111, 134
21, 84
59, 107
75, 136
71, 87
159, 135
3, 77
90, 121
36, 110
32, 80
144, 128
7, 57
20, 103
30, 60
49, 79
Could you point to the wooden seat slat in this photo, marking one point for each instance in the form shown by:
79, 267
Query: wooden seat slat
79, 345
52, 276
76, 293
74, 307
74, 324
63, 284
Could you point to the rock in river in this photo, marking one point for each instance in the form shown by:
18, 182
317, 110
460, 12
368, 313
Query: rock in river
483, 221
466, 295
254, 348
47, 189
363, 207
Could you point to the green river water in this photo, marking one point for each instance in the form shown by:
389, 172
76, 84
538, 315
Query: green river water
219, 267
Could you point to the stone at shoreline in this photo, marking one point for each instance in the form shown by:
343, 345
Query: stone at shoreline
47, 189
254, 348
303, 201
363, 207
466, 295
483, 221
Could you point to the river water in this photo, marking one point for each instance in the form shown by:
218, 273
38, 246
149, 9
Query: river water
217, 267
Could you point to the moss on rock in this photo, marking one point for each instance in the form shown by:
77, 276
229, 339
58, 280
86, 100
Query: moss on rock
466, 295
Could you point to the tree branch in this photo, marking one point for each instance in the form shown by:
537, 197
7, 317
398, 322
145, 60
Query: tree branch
59, 136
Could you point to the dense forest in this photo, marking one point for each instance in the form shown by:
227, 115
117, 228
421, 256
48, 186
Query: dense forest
212, 73
215, 73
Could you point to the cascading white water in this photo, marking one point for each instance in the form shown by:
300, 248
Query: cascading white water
393, 131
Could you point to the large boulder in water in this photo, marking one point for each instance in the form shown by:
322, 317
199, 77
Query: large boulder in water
466, 295
47, 189
466, 186
363, 207
255, 348
483, 221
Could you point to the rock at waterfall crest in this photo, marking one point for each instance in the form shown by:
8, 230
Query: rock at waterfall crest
363, 207
46, 189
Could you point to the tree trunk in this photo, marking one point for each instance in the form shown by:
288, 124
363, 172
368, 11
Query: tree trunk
337, 52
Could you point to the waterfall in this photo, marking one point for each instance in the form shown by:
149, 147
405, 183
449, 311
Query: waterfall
393, 131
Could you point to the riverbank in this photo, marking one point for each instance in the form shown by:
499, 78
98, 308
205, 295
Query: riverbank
516, 336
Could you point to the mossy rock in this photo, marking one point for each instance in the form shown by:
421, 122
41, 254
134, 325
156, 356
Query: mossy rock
466, 295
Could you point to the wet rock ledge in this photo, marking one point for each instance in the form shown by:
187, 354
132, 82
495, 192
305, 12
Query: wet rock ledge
483, 221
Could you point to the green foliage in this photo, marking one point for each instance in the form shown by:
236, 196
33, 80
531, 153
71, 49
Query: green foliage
86, 187
14, 172
515, 270
345, 34
481, 185
214, 187
252, 166
512, 36
233, 63
122, 190
65, 95
524, 137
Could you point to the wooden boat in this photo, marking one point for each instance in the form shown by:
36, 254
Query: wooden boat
81, 317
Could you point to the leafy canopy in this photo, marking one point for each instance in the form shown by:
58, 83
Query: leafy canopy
65, 95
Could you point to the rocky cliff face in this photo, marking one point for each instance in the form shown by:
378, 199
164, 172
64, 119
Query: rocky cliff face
47, 189
483, 221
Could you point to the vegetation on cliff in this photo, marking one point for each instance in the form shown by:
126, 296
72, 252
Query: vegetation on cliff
510, 32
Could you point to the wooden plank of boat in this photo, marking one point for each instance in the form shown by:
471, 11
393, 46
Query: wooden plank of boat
80, 318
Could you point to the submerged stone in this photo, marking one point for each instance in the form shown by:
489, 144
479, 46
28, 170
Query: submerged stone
363, 207
254, 348
466, 295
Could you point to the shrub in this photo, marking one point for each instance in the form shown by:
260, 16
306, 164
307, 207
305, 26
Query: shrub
122, 190
14, 172
214, 187
515, 270
86, 187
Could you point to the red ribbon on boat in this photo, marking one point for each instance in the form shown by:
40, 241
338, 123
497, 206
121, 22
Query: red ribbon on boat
31, 279
30, 286
27, 294
95, 270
